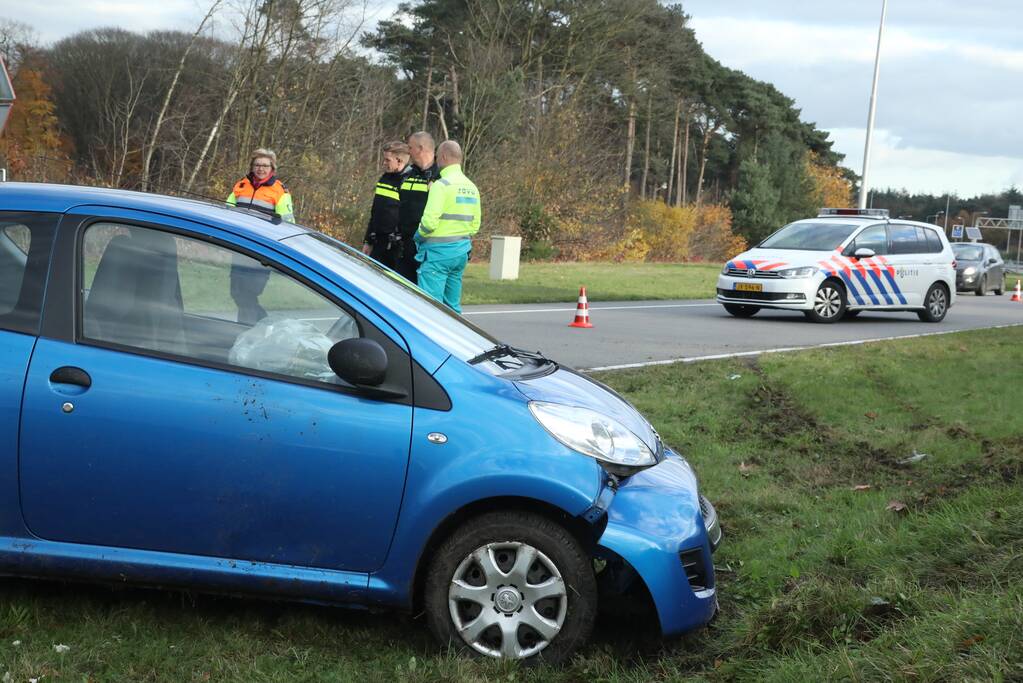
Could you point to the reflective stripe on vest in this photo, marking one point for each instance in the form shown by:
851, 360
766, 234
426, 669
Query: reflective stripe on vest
388, 191
445, 239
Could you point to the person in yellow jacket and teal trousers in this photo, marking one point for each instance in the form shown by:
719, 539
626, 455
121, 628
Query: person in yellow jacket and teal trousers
451, 217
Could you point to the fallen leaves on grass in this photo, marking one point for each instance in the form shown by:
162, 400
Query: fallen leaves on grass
971, 641
870, 415
897, 506
745, 469
862, 487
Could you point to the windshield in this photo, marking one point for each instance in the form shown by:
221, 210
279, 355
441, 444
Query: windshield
807, 236
451, 331
968, 252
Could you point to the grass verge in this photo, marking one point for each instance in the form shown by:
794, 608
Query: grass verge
846, 556
560, 282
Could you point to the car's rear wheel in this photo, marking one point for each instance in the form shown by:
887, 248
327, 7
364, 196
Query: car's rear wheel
1000, 289
742, 310
512, 585
981, 286
935, 304
828, 303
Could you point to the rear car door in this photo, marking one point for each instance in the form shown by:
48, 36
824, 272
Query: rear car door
906, 256
25, 243
183, 403
996, 271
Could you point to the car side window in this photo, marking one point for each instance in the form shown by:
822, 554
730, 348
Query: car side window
904, 239
875, 237
25, 241
175, 295
929, 241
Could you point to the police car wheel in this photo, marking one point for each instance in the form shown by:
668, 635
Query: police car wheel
982, 286
828, 303
742, 310
935, 304
512, 585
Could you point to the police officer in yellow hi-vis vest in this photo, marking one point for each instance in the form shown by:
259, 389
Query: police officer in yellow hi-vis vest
450, 219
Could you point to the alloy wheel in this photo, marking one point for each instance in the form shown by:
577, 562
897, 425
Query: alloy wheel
828, 302
937, 302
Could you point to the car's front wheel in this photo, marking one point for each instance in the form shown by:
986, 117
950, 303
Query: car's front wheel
742, 310
935, 304
512, 585
828, 303
981, 286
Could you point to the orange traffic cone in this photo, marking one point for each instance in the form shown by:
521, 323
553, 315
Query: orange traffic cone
1015, 294
582, 311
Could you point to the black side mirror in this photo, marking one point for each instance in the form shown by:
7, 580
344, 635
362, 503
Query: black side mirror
992, 261
362, 362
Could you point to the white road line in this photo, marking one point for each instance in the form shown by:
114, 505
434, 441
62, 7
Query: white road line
741, 354
592, 308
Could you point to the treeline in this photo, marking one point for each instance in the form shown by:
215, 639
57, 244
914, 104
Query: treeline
931, 208
579, 117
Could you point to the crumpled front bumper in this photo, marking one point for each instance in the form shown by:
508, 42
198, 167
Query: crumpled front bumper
656, 524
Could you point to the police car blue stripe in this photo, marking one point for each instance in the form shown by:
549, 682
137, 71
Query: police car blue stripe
866, 286
880, 287
895, 287
849, 285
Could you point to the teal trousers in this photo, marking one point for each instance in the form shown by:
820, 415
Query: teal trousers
441, 277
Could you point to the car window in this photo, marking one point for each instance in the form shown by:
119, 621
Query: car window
171, 294
934, 244
25, 241
968, 252
874, 237
810, 236
904, 239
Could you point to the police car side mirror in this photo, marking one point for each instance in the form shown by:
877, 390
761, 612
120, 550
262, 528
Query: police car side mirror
863, 252
362, 362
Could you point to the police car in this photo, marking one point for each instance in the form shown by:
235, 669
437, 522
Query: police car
840, 263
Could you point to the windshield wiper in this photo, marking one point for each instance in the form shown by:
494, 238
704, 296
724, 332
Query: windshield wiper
505, 350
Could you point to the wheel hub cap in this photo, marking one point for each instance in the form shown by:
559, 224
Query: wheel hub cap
507, 600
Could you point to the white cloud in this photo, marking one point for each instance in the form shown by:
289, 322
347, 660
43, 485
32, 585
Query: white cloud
892, 164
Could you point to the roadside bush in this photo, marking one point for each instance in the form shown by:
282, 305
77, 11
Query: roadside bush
655, 231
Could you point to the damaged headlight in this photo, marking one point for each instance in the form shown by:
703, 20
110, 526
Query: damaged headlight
598, 436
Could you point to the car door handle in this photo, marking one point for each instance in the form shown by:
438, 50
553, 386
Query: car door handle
71, 375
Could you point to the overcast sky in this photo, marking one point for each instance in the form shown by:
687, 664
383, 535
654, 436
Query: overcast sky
950, 98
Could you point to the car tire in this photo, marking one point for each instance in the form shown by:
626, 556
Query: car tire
1000, 290
828, 303
499, 567
981, 286
742, 310
935, 304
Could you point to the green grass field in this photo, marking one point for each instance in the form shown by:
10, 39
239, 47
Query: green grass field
557, 282
840, 561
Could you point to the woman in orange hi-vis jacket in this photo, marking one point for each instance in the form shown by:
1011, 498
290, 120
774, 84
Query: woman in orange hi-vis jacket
261, 190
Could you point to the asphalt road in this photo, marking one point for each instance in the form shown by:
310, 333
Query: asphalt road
630, 332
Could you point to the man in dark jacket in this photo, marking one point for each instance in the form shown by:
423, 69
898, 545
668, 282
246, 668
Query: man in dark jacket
415, 188
383, 240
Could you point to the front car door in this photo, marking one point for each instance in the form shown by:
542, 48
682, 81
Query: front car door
192, 410
876, 276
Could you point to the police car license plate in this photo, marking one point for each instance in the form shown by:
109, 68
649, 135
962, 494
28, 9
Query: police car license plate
749, 287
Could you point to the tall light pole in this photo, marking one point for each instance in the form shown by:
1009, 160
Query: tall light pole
864, 187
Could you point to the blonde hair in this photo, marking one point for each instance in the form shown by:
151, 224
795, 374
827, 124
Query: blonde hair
398, 148
263, 153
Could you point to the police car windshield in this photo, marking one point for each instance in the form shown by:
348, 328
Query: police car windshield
810, 236
452, 332
968, 252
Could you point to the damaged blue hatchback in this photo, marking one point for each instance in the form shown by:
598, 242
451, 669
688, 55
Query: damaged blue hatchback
192, 396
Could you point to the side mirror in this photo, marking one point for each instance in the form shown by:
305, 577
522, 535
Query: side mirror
992, 261
863, 252
362, 362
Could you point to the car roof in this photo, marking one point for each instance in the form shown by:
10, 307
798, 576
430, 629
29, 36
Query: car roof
51, 198
868, 219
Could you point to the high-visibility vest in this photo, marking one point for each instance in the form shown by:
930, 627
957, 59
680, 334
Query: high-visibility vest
452, 210
271, 197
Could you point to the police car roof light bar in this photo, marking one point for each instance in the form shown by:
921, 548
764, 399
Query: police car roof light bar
873, 213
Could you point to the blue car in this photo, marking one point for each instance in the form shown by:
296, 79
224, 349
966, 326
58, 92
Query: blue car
194, 396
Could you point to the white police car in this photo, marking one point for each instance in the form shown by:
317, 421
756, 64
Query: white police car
840, 263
